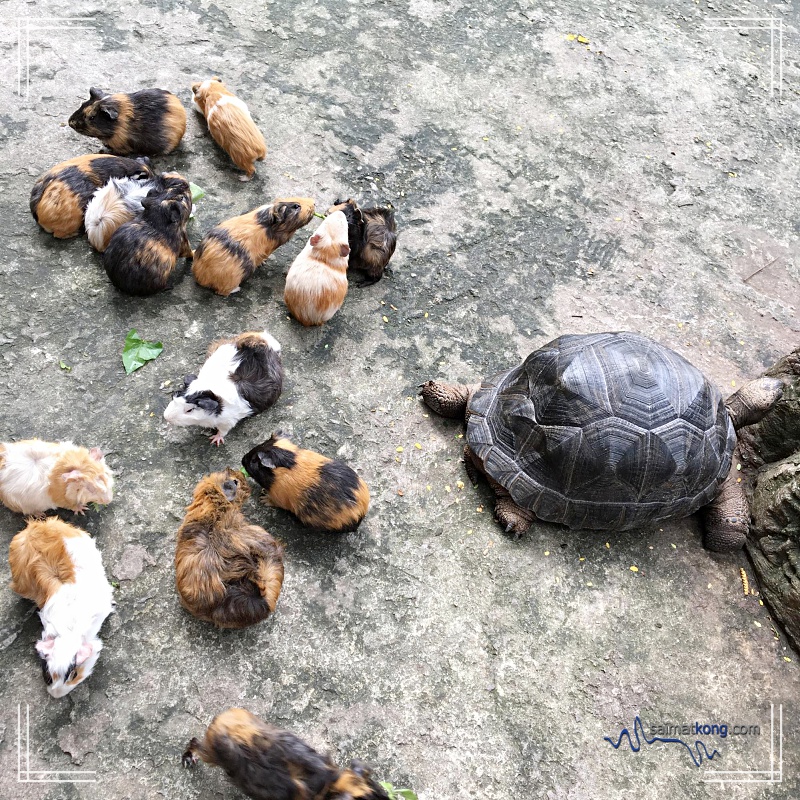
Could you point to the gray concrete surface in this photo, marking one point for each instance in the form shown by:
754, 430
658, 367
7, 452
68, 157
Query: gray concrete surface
543, 186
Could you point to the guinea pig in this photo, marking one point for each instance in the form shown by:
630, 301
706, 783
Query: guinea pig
114, 204
141, 256
267, 763
230, 125
322, 493
150, 122
59, 567
372, 235
232, 251
36, 476
59, 197
316, 283
227, 571
240, 378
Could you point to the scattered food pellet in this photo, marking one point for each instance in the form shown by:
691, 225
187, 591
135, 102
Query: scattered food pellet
399, 449
634, 569
547, 552
385, 318
418, 445
786, 658
460, 484
479, 509
400, 492
756, 623
447, 488
608, 546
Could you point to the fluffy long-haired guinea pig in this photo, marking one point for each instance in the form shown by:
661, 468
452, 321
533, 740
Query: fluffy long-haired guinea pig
372, 235
36, 476
59, 567
60, 196
268, 763
114, 204
141, 256
316, 284
322, 493
150, 122
232, 251
230, 125
227, 571
241, 377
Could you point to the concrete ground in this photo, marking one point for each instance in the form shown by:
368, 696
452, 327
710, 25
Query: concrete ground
646, 180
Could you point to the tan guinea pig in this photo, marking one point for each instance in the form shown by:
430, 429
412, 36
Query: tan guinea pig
230, 125
59, 197
316, 284
36, 476
232, 251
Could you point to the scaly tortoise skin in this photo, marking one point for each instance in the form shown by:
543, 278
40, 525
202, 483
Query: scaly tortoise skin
608, 431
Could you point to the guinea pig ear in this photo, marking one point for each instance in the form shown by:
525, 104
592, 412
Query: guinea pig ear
315, 239
360, 768
149, 202
344, 250
84, 651
208, 404
266, 461
230, 489
187, 379
174, 212
109, 107
96, 453
44, 647
96, 94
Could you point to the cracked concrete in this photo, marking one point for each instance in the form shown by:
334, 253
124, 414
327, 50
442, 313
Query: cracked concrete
646, 180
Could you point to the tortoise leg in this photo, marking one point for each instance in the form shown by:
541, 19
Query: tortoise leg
513, 518
753, 401
726, 519
472, 466
447, 399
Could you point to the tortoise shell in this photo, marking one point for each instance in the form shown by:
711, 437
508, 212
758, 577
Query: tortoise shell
606, 431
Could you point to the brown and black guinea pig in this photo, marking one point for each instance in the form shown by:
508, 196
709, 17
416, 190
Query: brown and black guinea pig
268, 763
322, 493
150, 122
227, 571
372, 236
141, 256
59, 197
232, 251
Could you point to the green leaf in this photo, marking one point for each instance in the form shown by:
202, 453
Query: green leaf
66, 367
197, 192
398, 794
137, 352
321, 216
244, 472
406, 794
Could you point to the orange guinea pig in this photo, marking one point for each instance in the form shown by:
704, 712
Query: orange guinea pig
230, 125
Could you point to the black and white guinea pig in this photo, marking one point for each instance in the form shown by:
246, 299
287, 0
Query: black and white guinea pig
268, 763
59, 197
141, 256
150, 122
372, 236
114, 204
322, 493
240, 378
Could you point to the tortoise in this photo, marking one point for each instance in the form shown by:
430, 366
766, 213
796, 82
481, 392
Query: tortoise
609, 431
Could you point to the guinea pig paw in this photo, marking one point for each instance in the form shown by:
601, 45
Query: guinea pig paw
245, 178
189, 760
81, 509
217, 439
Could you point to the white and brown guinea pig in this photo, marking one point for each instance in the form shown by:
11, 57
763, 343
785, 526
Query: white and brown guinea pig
111, 206
322, 493
150, 122
232, 251
59, 197
227, 571
241, 377
316, 284
372, 235
59, 567
36, 476
142, 254
230, 125
267, 763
